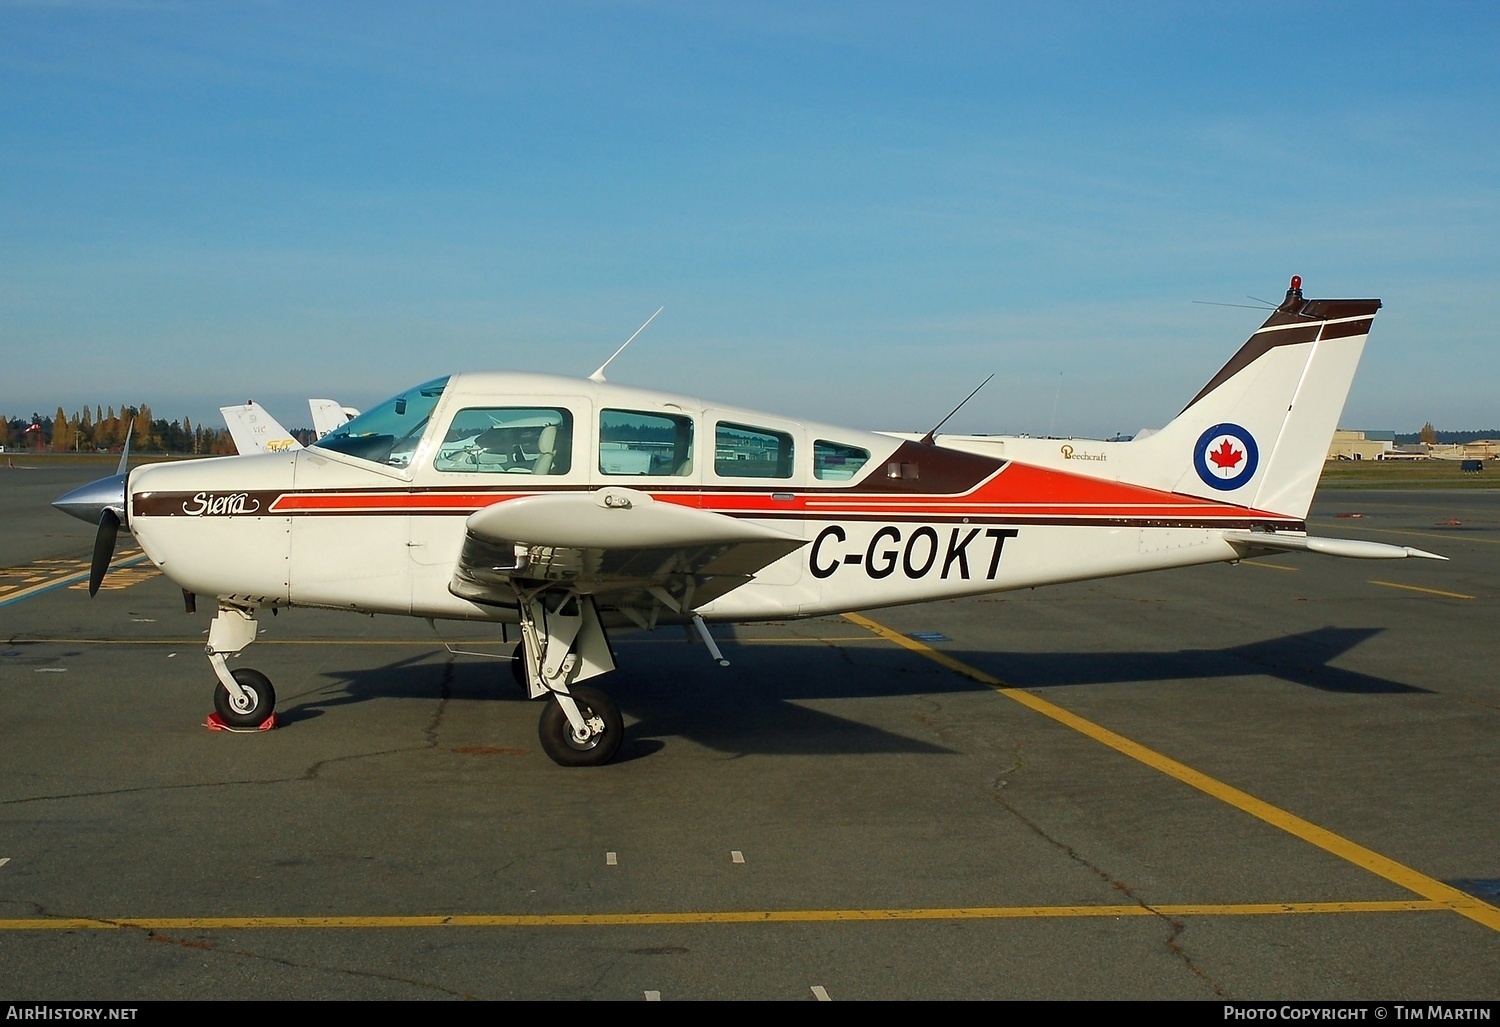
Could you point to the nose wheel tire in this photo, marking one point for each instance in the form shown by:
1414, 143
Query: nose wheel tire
259, 704
606, 729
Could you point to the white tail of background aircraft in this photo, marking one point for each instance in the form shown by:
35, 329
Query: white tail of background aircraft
256, 431
328, 414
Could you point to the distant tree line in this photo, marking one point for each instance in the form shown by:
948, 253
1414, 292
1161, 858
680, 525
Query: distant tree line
102, 429
1430, 435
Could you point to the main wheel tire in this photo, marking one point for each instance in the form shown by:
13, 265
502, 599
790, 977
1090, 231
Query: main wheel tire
260, 696
557, 737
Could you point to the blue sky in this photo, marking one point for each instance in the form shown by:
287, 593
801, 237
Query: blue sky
851, 212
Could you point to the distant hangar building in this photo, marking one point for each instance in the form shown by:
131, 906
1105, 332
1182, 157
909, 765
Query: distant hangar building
1361, 445
1381, 445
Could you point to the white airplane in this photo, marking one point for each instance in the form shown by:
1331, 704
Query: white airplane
570, 506
329, 415
254, 430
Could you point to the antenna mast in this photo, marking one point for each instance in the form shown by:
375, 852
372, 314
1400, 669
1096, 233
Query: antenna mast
598, 376
931, 437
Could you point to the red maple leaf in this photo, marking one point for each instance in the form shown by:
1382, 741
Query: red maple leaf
1226, 456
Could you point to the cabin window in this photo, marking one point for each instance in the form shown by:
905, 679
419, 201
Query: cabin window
637, 442
388, 433
741, 451
834, 461
508, 440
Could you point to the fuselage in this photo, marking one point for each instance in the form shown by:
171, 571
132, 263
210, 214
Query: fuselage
372, 518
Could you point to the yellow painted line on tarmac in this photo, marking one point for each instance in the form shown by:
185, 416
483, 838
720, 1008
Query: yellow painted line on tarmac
1418, 588
73, 577
1367, 859
1452, 536
769, 916
1268, 566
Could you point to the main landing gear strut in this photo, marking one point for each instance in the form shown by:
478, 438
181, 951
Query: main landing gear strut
562, 643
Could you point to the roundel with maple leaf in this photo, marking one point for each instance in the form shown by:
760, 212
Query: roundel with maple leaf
1226, 456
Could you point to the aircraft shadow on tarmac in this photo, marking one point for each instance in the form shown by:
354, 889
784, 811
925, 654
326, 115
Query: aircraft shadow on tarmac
759, 704
750, 708
1302, 659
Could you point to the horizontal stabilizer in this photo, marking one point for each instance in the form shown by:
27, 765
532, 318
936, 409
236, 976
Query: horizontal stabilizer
1347, 547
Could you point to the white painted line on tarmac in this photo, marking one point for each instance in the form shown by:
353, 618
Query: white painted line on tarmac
611, 860
653, 996
736, 856
820, 993
4, 860
52, 670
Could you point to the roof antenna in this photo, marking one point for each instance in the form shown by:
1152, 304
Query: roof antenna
930, 438
598, 376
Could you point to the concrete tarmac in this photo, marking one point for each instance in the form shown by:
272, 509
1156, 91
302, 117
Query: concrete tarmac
1270, 781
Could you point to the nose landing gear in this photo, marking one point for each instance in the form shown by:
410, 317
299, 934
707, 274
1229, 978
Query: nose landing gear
243, 700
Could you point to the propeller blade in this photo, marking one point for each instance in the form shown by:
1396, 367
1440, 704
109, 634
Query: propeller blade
125, 453
104, 549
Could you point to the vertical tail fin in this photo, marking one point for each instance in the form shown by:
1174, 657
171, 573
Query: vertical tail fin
1258, 433
256, 431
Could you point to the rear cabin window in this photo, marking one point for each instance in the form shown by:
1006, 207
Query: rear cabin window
743, 451
637, 442
834, 461
508, 440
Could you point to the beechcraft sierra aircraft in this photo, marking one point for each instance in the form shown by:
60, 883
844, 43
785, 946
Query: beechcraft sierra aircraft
570, 506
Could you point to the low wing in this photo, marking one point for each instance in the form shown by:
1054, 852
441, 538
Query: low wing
620, 546
1289, 542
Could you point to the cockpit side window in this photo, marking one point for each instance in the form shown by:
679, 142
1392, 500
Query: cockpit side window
834, 461
508, 440
637, 442
388, 433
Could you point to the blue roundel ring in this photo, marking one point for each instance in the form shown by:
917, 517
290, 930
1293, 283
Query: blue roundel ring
1200, 457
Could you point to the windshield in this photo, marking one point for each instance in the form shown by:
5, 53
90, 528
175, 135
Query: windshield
388, 433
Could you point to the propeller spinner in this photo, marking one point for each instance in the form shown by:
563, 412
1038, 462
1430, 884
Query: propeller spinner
101, 502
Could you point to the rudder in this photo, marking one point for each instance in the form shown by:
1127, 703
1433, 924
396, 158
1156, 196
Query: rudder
1258, 433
